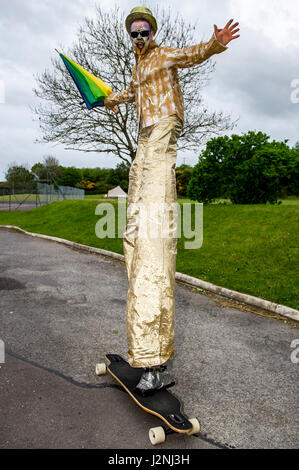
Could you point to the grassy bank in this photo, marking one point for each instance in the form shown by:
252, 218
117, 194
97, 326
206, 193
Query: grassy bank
248, 248
289, 200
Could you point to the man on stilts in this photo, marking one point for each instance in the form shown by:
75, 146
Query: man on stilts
151, 257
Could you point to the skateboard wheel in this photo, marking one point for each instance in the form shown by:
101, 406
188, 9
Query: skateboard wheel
101, 369
157, 435
195, 426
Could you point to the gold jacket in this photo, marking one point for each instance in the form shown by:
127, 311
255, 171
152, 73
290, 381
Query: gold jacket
155, 83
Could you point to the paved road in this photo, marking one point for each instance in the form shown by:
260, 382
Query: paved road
61, 310
4, 206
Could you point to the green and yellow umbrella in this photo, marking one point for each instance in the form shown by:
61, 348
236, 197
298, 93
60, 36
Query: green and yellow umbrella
92, 89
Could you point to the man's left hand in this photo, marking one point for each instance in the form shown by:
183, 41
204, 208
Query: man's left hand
226, 34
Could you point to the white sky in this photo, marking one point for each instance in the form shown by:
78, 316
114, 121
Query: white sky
252, 79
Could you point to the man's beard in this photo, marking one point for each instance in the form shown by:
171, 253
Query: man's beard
140, 47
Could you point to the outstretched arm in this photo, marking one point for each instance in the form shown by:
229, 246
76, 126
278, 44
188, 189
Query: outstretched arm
192, 55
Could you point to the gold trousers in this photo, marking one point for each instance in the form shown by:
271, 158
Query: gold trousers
150, 245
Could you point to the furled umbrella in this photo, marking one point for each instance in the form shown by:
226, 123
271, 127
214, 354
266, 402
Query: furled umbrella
92, 89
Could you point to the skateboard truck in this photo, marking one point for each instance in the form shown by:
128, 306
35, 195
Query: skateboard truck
176, 419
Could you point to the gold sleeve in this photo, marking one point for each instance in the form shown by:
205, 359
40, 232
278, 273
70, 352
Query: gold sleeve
125, 96
194, 55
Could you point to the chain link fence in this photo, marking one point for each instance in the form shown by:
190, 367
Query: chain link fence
25, 196
49, 193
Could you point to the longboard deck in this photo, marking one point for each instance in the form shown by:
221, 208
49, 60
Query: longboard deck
162, 404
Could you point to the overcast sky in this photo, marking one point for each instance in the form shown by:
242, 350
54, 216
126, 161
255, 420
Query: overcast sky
255, 80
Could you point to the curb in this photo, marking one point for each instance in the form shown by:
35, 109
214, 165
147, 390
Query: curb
278, 309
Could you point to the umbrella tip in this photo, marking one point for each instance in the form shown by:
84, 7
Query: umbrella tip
57, 51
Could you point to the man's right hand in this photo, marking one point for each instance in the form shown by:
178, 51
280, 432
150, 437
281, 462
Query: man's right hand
109, 106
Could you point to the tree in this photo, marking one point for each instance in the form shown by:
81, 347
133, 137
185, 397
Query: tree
119, 176
183, 175
69, 176
290, 178
247, 169
49, 170
39, 171
18, 174
104, 49
95, 174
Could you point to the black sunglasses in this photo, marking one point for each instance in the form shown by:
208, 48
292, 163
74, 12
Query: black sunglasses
145, 34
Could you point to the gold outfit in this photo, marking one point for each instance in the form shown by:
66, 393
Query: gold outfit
151, 259
151, 256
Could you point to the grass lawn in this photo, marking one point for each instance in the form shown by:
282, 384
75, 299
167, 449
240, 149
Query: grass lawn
290, 200
249, 248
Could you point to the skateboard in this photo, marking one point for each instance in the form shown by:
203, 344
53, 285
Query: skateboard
162, 403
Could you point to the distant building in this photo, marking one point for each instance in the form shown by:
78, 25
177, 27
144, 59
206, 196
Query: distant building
117, 192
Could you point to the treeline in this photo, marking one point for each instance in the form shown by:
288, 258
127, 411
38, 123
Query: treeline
95, 180
92, 180
247, 169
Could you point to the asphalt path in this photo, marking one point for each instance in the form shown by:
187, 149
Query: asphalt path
62, 310
13, 206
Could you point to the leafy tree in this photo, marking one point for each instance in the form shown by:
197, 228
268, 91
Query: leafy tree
119, 176
18, 174
95, 174
124, 184
183, 176
49, 170
102, 188
113, 178
39, 170
69, 176
122, 170
290, 179
247, 169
